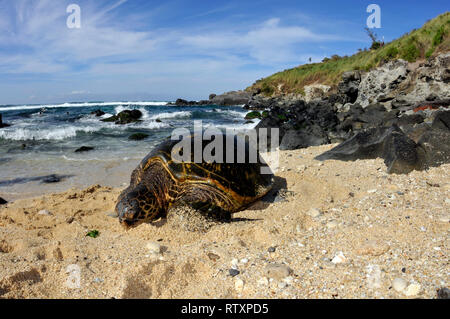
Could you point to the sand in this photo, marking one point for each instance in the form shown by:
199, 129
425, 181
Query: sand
344, 230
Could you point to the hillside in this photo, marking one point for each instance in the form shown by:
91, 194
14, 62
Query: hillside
431, 39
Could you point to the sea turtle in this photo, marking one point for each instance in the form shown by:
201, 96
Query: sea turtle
214, 189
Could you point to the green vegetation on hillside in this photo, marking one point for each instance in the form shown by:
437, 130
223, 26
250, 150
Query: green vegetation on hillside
432, 38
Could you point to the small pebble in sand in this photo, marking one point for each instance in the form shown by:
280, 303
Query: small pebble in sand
278, 271
213, 257
339, 258
271, 249
373, 276
412, 290
154, 248
332, 224
244, 261
239, 285
44, 212
282, 285
233, 272
263, 281
373, 248
399, 284
314, 212
234, 263
444, 219
372, 191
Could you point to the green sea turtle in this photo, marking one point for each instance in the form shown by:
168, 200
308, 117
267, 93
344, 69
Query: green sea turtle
214, 189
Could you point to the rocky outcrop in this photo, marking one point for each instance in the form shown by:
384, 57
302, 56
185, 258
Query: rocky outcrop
227, 99
399, 83
316, 92
407, 140
231, 98
3, 202
421, 147
349, 86
125, 117
182, 102
390, 112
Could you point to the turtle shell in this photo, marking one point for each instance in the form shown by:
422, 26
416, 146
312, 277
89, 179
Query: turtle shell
242, 176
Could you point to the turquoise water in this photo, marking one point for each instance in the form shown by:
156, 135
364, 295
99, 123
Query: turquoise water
42, 141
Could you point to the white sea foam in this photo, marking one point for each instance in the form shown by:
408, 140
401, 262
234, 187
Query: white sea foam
182, 114
24, 134
87, 104
236, 127
231, 112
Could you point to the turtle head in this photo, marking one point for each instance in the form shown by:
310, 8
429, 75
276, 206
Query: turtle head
136, 206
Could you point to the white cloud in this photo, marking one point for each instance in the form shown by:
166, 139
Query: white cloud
268, 43
110, 50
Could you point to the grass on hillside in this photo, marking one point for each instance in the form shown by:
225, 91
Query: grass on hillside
423, 43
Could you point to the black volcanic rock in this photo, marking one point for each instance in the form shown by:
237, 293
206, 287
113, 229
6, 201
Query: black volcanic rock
125, 117
84, 149
2, 201
435, 144
231, 98
138, 137
98, 113
51, 179
442, 120
296, 139
182, 102
349, 86
364, 145
2, 125
399, 152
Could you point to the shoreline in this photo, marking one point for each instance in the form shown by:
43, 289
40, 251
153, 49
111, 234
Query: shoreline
347, 231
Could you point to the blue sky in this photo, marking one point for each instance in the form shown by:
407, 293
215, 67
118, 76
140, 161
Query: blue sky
161, 50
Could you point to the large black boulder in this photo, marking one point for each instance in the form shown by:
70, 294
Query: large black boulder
2, 201
441, 120
125, 117
435, 144
296, 139
399, 152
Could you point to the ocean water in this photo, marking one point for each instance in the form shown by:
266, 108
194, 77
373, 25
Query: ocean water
42, 140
